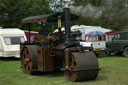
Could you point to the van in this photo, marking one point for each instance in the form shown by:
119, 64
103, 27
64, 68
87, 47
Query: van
10, 40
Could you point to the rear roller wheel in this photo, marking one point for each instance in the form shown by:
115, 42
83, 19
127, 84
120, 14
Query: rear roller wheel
29, 59
26, 61
79, 71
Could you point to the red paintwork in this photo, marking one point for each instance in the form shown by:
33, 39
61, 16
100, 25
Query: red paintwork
31, 35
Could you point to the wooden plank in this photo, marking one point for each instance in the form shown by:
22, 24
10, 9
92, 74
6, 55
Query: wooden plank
40, 59
49, 65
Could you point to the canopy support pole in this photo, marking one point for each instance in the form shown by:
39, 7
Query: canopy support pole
29, 29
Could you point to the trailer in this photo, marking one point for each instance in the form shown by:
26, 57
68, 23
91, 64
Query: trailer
10, 39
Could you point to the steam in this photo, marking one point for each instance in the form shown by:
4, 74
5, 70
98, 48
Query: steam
88, 10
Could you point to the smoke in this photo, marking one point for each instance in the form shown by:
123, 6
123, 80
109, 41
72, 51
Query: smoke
87, 11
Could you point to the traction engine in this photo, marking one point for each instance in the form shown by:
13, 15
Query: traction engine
59, 50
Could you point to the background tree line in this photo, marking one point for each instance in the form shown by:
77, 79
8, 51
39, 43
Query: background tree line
112, 14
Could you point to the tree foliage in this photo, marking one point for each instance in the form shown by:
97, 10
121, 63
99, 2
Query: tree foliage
85, 2
12, 11
58, 5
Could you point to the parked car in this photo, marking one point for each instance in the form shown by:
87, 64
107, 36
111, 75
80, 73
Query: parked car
10, 40
119, 44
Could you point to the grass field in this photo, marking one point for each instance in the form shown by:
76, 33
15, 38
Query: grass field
114, 72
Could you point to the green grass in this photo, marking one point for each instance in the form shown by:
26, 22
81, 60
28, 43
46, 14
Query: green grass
114, 72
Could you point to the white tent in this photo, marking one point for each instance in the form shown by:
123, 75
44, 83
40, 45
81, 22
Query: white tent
90, 28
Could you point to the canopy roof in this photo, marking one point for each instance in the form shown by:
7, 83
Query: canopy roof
48, 17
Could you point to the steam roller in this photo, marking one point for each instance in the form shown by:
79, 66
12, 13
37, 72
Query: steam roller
58, 50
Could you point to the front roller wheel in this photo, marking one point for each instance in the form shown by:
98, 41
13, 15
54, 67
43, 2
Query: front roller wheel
72, 76
83, 67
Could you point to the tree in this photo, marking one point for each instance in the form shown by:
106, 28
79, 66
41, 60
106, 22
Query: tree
58, 5
12, 11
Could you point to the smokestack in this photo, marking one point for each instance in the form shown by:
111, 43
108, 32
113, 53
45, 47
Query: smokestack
67, 20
